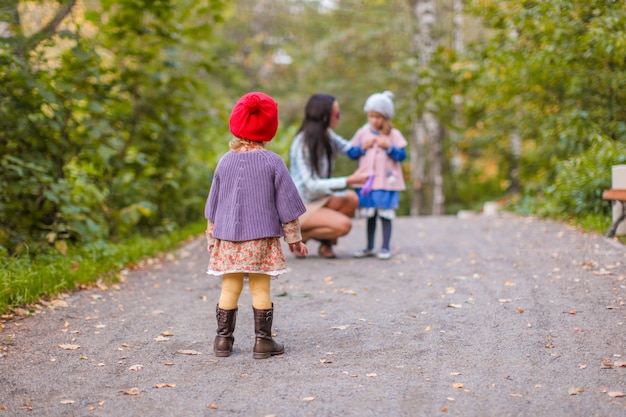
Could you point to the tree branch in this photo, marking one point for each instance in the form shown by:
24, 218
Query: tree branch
49, 29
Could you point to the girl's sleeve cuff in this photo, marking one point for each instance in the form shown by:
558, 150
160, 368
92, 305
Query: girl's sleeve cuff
292, 231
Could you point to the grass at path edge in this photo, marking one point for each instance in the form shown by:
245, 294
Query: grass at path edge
25, 280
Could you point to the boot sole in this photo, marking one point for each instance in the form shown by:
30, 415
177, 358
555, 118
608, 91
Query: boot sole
222, 354
266, 355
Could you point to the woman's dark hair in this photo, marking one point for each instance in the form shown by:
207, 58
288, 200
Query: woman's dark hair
317, 145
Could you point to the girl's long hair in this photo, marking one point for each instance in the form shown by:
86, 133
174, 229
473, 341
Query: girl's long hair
317, 145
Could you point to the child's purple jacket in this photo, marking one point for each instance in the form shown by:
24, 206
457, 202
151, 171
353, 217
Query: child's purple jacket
251, 197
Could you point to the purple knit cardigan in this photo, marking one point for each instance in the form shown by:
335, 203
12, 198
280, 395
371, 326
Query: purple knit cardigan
251, 197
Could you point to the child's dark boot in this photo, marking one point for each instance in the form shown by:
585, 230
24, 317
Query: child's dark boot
224, 340
264, 345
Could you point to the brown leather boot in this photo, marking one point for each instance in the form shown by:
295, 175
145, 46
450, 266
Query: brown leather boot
264, 345
224, 340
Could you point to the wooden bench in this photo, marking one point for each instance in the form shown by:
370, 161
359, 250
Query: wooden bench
616, 195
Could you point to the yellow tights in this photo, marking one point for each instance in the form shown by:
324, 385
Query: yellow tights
232, 285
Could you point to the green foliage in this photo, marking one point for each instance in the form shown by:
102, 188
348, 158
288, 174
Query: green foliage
577, 188
99, 123
550, 73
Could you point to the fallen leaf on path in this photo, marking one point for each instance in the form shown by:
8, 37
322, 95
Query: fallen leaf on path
132, 391
509, 284
619, 364
59, 303
161, 339
455, 305
326, 361
575, 390
308, 398
165, 385
581, 366
372, 375
343, 327
457, 385
504, 300
615, 394
450, 290
68, 402
603, 271
212, 406
167, 334
135, 367
515, 395
189, 352
69, 347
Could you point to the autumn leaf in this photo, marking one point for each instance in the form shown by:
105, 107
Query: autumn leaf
68, 402
132, 391
165, 386
69, 347
135, 367
161, 339
458, 385
189, 352
455, 305
59, 303
616, 394
575, 390
308, 398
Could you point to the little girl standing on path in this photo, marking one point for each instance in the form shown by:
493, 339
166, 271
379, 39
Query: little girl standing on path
252, 203
381, 151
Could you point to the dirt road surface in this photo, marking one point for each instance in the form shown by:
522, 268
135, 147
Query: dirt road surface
479, 316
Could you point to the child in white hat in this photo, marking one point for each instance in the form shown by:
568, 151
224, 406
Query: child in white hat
382, 148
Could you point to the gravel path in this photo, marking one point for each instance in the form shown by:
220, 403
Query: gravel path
483, 316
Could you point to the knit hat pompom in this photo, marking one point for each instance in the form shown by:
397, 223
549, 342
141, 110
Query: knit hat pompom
254, 117
381, 103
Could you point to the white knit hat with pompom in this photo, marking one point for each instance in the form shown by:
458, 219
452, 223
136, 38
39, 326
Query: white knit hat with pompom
381, 103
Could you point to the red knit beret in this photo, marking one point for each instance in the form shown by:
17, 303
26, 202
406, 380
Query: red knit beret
254, 117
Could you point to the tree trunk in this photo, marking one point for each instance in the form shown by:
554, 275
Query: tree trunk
427, 131
516, 155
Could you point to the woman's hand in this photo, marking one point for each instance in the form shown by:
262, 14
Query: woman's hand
359, 177
299, 248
